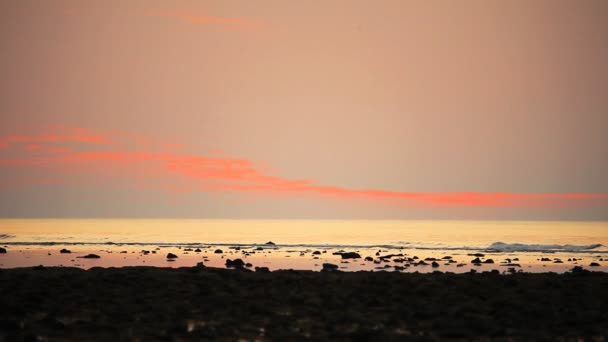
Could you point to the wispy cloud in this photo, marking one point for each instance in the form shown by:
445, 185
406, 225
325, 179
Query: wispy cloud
56, 155
200, 18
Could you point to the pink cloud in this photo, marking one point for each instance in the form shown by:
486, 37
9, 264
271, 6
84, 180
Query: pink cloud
118, 154
232, 23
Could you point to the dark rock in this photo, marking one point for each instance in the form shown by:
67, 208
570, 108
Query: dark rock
171, 256
236, 263
594, 264
262, 269
65, 251
558, 261
2, 250
577, 269
259, 249
187, 249
146, 252
430, 259
350, 255
270, 243
516, 259
476, 261
218, 251
447, 257
415, 257
434, 264
488, 261
329, 267
249, 265
198, 250
479, 255
378, 253
369, 258
316, 253
200, 264
90, 256
545, 259
399, 268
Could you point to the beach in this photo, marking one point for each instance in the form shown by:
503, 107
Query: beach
204, 303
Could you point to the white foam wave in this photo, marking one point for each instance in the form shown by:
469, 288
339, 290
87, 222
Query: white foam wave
522, 247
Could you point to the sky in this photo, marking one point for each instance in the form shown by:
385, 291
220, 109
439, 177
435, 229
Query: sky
301, 109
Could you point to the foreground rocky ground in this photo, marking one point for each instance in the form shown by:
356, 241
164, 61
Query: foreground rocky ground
147, 303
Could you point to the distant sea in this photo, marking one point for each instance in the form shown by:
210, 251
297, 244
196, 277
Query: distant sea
473, 235
290, 243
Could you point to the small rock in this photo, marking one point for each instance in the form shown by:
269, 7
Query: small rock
434, 264
350, 255
479, 255
2, 250
476, 261
249, 265
329, 267
488, 261
447, 257
369, 258
171, 256
270, 243
91, 256
198, 250
200, 264
545, 259
218, 251
594, 264
316, 253
236, 263
65, 251
262, 269
259, 249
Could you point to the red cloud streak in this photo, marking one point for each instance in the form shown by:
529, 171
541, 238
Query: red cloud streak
102, 154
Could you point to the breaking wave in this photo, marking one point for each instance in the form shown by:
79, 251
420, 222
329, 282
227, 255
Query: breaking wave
522, 247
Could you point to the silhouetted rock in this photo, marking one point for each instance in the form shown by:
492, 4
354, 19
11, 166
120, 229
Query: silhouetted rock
594, 264
316, 253
200, 264
476, 261
218, 251
262, 269
90, 256
447, 257
434, 264
187, 249
198, 250
488, 261
65, 251
545, 259
270, 243
171, 256
369, 258
249, 265
329, 267
577, 269
236, 263
259, 249
2, 250
350, 255
479, 255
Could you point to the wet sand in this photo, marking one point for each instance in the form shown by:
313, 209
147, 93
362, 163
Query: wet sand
150, 303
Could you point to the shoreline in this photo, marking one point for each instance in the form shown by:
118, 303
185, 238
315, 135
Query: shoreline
194, 303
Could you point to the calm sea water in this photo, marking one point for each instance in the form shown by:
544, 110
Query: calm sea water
38, 241
411, 234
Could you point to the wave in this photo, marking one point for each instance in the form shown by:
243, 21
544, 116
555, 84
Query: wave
522, 247
6, 236
496, 247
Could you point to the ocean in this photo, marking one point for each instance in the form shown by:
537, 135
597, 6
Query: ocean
37, 241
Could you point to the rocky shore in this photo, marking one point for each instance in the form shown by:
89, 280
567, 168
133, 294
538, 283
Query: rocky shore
203, 303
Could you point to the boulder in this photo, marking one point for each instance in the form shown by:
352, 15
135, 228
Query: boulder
329, 267
434, 264
236, 263
350, 255
198, 250
594, 264
2, 250
316, 253
91, 256
65, 251
218, 251
171, 256
476, 261
488, 261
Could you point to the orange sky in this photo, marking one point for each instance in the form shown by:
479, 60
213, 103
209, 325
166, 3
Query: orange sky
341, 109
